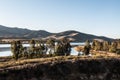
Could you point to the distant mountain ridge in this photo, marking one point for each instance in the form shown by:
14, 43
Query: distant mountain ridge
7, 32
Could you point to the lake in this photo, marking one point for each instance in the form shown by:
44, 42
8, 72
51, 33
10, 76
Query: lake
5, 49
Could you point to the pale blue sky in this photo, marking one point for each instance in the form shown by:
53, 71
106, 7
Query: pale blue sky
98, 17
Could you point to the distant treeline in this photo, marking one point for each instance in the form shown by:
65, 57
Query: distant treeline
40, 48
101, 45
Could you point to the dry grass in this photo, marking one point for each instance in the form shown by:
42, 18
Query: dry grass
12, 63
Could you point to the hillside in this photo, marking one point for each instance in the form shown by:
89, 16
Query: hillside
81, 37
7, 32
62, 68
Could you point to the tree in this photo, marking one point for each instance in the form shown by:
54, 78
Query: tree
119, 43
32, 43
113, 47
16, 48
19, 48
98, 46
59, 49
66, 46
63, 47
93, 44
40, 48
25, 52
32, 48
87, 47
106, 46
51, 45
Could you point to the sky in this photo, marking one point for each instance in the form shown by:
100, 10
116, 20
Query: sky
98, 17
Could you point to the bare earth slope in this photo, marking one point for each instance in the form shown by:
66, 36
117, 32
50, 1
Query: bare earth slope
62, 68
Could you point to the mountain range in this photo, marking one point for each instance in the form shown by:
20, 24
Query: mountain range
8, 32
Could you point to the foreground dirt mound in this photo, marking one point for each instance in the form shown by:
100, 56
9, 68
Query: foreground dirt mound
79, 69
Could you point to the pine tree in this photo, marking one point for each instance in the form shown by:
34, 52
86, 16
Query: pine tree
32, 48
59, 49
93, 45
14, 50
19, 48
106, 46
113, 47
87, 47
51, 45
66, 46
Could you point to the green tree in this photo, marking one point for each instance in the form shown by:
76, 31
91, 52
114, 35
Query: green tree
118, 43
59, 49
66, 46
19, 48
25, 52
113, 47
106, 46
63, 47
16, 48
98, 46
51, 45
87, 47
40, 48
93, 45
32, 43
32, 48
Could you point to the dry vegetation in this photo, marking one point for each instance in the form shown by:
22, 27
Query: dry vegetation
96, 67
9, 62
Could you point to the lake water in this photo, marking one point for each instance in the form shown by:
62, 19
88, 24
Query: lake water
5, 49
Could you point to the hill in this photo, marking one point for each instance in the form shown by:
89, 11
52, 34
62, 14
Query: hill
62, 68
80, 37
7, 32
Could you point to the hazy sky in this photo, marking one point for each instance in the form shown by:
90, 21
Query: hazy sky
99, 17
